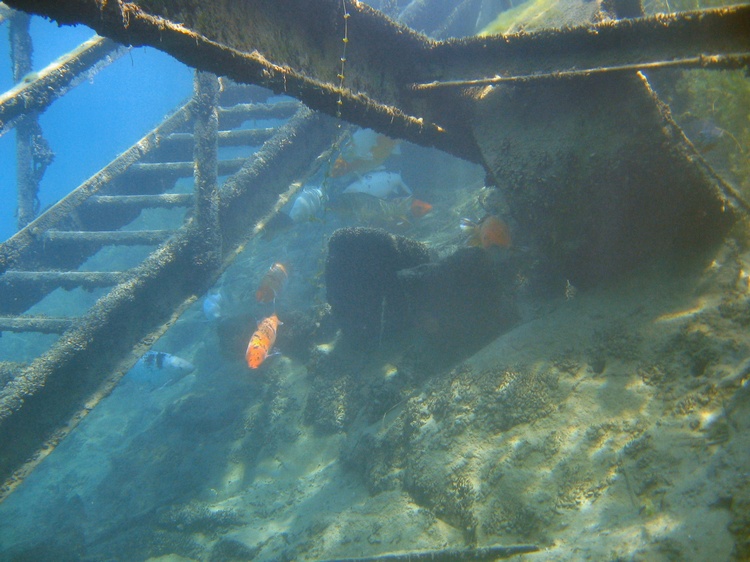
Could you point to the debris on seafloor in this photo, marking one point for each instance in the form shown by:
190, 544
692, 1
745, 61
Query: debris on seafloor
448, 555
361, 283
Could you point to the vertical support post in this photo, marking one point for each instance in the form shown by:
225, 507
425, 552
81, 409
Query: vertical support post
32, 151
205, 155
20, 55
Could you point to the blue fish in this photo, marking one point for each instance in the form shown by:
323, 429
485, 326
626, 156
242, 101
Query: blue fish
156, 369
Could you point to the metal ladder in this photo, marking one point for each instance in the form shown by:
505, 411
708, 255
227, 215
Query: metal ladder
42, 401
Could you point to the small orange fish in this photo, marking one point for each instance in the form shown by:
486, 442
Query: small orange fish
420, 208
272, 283
366, 151
490, 231
262, 341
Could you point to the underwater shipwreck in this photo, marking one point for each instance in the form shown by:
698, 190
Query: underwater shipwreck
576, 386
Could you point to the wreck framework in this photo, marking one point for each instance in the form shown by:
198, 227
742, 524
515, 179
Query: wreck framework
572, 89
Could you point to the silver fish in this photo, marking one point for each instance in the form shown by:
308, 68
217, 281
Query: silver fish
307, 205
156, 369
380, 184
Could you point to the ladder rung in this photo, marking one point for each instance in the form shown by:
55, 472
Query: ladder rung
108, 237
166, 200
236, 137
64, 279
184, 169
245, 111
40, 324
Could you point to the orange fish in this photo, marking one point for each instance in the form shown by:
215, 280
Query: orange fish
366, 151
420, 208
272, 283
262, 341
490, 231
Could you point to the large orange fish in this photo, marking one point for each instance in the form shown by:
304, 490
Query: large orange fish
262, 341
272, 283
365, 151
490, 231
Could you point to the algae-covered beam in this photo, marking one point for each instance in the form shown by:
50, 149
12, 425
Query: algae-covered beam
39, 324
37, 91
5, 13
272, 43
17, 281
28, 126
613, 43
175, 170
100, 238
275, 46
230, 117
713, 62
163, 201
262, 172
206, 158
240, 137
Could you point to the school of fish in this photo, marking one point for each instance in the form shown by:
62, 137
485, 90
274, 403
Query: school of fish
374, 192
